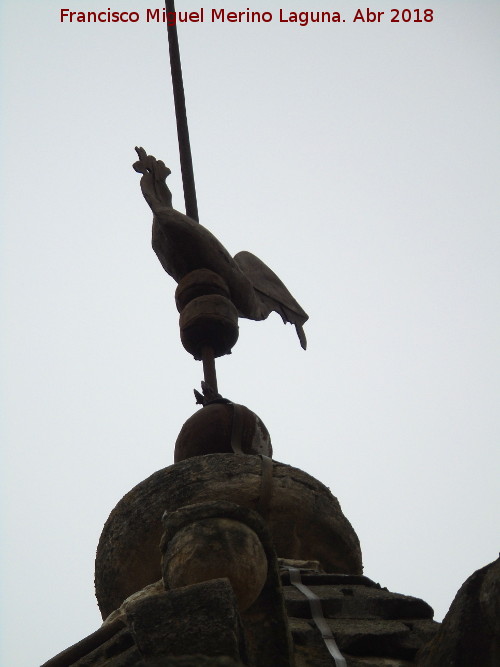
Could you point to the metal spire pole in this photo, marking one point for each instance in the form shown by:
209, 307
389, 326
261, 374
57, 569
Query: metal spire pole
191, 204
181, 118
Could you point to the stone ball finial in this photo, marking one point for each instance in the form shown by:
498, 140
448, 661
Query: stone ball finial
222, 428
304, 519
215, 547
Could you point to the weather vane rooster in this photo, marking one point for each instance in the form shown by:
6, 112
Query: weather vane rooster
184, 245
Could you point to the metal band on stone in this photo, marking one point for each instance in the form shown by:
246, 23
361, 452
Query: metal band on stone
266, 486
317, 616
237, 430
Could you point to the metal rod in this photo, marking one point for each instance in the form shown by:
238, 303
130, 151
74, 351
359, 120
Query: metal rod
208, 359
181, 117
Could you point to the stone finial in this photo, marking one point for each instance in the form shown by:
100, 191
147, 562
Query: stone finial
222, 427
213, 541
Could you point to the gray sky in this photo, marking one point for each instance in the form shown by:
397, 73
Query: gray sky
360, 162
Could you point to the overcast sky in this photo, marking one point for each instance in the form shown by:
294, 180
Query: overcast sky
360, 162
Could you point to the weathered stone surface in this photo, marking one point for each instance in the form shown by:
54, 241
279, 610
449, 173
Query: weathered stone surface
193, 661
129, 658
375, 662
489, 599
359, 637
132, 658
421, 631
305, 520
201, 618
316, 655
371, 625
210, 431
265, 625
363, 628
315, 578
147, 591
215, 548
113, 648
470, 632
357, 602
99, 644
